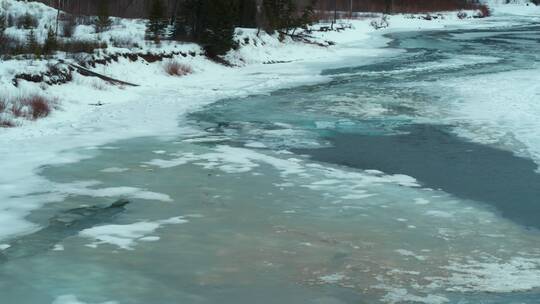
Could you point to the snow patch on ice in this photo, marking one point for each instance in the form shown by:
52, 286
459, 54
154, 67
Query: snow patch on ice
516, 274
439, 213
401, 295
4, 246
71, 299
491, 109
58, 247
127, 236
240, 160
83, 188
114, 170
332, 278
409, 253
421, 201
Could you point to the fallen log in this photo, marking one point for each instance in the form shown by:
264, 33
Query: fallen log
306, 39
88, 73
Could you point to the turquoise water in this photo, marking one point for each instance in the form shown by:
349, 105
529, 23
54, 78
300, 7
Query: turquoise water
316, 194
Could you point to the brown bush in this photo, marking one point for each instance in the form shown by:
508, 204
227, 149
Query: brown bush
31, 107
484, 11
17, 110
175, 68
39, 106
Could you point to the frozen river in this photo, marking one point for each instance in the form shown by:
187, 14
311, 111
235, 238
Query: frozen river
409, 180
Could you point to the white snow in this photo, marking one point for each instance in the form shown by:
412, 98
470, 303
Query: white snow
58, 247
114, 170
409, 253
493, 110
127, 236
517, 274
71, 299
83, 188
4, 246
332, 278
421, 201
402, 295
241, 160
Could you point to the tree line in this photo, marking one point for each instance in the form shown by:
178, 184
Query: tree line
210, 23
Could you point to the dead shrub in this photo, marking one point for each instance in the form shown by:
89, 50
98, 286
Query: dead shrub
39, 106
5, 123
484, 11
31, 107
17, 110
175, 68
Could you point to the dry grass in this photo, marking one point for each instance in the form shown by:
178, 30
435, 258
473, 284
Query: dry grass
175, 68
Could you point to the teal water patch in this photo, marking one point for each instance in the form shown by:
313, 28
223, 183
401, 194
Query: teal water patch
257, 222
440, 160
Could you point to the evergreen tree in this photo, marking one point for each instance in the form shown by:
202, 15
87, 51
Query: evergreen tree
3, 24
103, 20
308, 15
32, 45
210, 23
51, 44
247, 13
157, 21
28, 22
218, 31
189, 21
388, 6
280, 15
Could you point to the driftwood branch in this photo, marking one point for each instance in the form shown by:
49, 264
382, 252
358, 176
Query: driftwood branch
305, 39
87, 72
